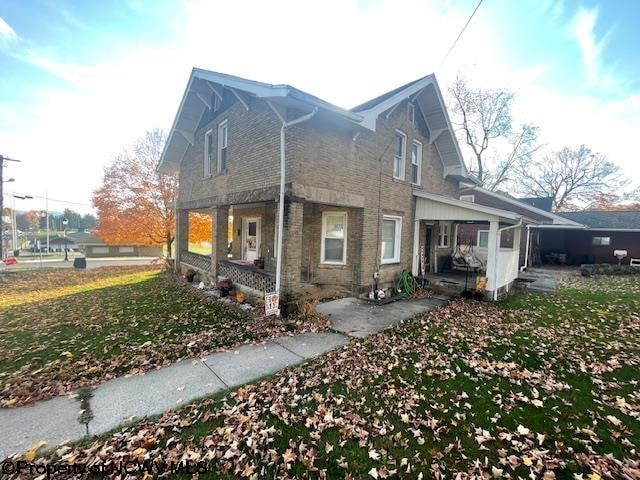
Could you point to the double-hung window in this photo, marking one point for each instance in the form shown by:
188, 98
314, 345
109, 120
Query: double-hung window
483, 239
443, 235
223, 137
411, 113
391, 235
208, 153
416, 162
334, 238
399, 150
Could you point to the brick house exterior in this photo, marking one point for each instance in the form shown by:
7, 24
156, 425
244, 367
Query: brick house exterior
340, 174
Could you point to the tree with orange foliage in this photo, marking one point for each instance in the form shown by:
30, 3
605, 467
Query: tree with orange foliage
199, 227
135, 202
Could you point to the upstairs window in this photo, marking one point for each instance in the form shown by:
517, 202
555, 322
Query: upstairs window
411, 113
334, 238
443, 235
208, 153
416, 162
223, 137
399, 151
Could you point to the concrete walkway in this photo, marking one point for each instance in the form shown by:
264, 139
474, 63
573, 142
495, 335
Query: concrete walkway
358, 318
131, 398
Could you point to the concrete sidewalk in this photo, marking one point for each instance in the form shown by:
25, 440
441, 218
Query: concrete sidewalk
132, 398
358, 318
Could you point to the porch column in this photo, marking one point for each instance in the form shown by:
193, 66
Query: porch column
182, 235
493, 248
416, 247
516, 245
291, 246
219, 237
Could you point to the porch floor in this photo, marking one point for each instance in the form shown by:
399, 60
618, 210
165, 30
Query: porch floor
454, 279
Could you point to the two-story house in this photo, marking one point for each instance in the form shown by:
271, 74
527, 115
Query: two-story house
374, 190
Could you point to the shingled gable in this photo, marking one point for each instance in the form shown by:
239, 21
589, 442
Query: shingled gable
203, 84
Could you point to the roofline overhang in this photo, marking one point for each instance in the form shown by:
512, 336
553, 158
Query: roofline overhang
552, 216
586, 228
495, 212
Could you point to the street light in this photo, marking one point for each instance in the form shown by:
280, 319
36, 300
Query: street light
64, 223
13, 217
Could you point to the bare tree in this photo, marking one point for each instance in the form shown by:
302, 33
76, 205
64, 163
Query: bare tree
574, 177
485, 125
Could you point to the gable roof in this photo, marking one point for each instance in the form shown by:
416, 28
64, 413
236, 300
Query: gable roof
203, 84
543, 203
606, 219
504, 197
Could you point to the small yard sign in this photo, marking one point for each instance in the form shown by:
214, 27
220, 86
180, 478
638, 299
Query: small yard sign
272, 303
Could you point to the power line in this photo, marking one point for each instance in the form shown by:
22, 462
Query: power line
69, 202
460, 34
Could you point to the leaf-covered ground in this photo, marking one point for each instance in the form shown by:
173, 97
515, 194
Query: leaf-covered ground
63, 329
536, 387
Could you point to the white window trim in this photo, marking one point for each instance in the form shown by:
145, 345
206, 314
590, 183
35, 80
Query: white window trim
397, 241
478, 240
441, 237
322, 237
411, 113
206, 164
221, 125
468, 198
403, 158
419, 160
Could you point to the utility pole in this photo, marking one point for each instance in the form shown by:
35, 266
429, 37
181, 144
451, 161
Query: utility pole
2, 160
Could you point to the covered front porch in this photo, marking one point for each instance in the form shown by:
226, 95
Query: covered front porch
438, 220
320, 247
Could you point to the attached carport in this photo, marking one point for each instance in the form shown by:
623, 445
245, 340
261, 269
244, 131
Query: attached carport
502, 263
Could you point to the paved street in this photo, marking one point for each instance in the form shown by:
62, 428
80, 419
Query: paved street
34, 262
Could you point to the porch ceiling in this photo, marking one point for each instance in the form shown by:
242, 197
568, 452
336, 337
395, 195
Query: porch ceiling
430, 206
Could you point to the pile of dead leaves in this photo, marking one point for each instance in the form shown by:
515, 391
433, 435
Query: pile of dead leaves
542, 387
58, 334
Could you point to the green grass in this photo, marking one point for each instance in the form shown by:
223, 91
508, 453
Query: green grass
61, 329
548, 384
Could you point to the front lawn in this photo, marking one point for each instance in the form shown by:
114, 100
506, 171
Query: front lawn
535, 387
63, 329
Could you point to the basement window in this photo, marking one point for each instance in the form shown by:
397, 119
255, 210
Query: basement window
334, 238
601, 241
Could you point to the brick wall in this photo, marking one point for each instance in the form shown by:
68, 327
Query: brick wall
321, 153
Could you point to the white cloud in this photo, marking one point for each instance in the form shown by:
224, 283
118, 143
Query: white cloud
6, 31
583, 26
65, 137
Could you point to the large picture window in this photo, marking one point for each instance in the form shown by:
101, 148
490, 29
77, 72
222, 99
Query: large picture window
399, 152
223, 137
391, 234
334, 238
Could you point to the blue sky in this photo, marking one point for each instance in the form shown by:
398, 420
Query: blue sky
81, 79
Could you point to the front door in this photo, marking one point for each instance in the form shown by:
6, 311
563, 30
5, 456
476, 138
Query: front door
251, 238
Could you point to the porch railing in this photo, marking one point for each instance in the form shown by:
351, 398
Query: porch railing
247, 275
195, 260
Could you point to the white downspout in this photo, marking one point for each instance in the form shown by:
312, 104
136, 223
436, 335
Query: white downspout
285, 124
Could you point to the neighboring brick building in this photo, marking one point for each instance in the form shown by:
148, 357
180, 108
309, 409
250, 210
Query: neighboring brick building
366, 190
